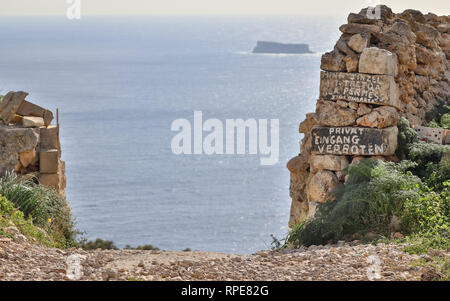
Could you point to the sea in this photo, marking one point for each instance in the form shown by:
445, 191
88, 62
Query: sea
120, 82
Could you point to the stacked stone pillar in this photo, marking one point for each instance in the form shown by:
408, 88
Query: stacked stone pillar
367, 84
29, 144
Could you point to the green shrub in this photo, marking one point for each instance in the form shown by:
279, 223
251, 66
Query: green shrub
357, 211
428, 219
406, 137
44, 206
445, 121
144, 247
438, 112
9, 215
97, 244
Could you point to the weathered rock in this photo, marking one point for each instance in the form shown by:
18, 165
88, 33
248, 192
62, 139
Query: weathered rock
444, 28
298, 164
354, 141
333, 61
18, 236
14, 141
347, 104
49, 161
381, 117
361, 88
378, 61
328, 162
299, 168
351, 63
354, 28
413, 119
341, 45
49, 138
426, 35
359, 42
312, 207
320, 187
379, 12
298, 213
30, 109
27, 157
413, 15
57, 180
308, 123
10, 104
360, 19
330, 113
31, 122
17, 119
363, 109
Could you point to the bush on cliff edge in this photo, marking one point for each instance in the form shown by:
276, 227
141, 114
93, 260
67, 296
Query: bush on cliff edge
415, 191
43, 206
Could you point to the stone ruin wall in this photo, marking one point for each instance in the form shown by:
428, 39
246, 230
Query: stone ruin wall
29, 144
379, 71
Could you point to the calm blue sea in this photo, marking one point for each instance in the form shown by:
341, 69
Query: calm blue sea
120, 82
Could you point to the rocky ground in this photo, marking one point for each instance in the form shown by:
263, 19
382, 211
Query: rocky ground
25, 261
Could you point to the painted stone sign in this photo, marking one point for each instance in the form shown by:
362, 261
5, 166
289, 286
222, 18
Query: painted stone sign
436, 135
356, 141
357, 87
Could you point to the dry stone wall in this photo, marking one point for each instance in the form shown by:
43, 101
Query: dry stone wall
29, 144
379, 71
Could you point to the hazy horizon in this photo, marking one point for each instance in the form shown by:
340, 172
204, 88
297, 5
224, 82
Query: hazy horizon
210, 7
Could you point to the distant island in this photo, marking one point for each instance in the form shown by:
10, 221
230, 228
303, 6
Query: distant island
274, 47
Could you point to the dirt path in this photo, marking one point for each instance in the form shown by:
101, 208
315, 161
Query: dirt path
24, 261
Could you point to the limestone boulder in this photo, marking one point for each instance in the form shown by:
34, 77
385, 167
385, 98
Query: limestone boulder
329, 113
56, 181
361, 19
49, 138
312, 208
342, 46
360, 88
14, 141
347, 104
298, 164
381, 12
10, 104
298, 213
354, 141
27, 157
363, 109
351, 63
308, 123
426, 35
381, 117
333, 61
414, 120
320, 187
354, 28
328, 162
359, 42
49, 161
374, 60
30, 109
32, 122
444, 28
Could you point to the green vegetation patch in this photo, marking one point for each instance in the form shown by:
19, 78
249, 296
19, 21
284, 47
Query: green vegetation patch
42, 207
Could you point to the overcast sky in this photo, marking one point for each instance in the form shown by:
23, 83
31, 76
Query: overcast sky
202, 7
